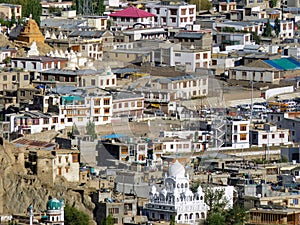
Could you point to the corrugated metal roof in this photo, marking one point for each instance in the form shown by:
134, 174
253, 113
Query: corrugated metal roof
62, 23
284, 63
87, 34
192, 35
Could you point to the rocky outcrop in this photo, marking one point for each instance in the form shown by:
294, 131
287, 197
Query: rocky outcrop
19, 190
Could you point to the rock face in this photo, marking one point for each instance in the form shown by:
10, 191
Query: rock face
18, 190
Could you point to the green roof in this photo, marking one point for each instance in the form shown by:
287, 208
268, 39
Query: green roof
54, 204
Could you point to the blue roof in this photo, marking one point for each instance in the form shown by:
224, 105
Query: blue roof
284, 63
111, 136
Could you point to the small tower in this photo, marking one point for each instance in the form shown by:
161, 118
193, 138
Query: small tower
30, 210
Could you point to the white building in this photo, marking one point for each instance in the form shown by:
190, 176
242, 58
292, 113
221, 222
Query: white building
287, 120
172, 15
129, 17
176, 199
257, 74
67, 163
191, 59
237, 134
82, 109
269, 135
31, 122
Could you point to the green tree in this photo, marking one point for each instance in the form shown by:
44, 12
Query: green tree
13, 18
214, 198
237, 215
33, 8
216, 219
277, 27
75, 217
201, 4
7, 61
272, 3
90, 130
268, 30
109, 220
172, 220
100, 7
256, 38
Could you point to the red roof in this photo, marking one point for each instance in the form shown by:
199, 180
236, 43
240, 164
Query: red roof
132, 12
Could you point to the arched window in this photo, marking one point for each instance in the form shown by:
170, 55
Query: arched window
191, 216
186, 185
197, 215
201, 198
181, 185
179, 217
202, 215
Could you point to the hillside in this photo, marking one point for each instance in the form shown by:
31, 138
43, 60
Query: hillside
19, 189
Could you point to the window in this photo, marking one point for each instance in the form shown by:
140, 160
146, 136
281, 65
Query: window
59, 159
26, 77
67, 159
243, 127
113, 211
273, 136
75, 158
264, 136
93, 82
281, 135
106, 101
243, 137
67, 169
205, 55
4, 77
106, 110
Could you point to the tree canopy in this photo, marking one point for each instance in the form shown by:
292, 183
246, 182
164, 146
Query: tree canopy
201, 4
268, 30
277, 27
29, 7
75, 217
109, 220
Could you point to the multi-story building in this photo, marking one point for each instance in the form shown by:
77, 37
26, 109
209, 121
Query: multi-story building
129, 17
287, 120
172, 15
129, 151
237, 133
256, 74
38, 63
256, 27
6, 52
88, 77
67, 162
7, 11
48, 165
192, 59
80, 109
195, 39
175, 88
129, 104
31, 122
269, 135
13, 80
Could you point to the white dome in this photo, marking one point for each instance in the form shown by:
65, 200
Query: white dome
177, 170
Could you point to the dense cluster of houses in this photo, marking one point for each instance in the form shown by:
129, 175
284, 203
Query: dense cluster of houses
93, 75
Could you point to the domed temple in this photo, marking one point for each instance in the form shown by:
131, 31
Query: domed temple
176, 199
55, 212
